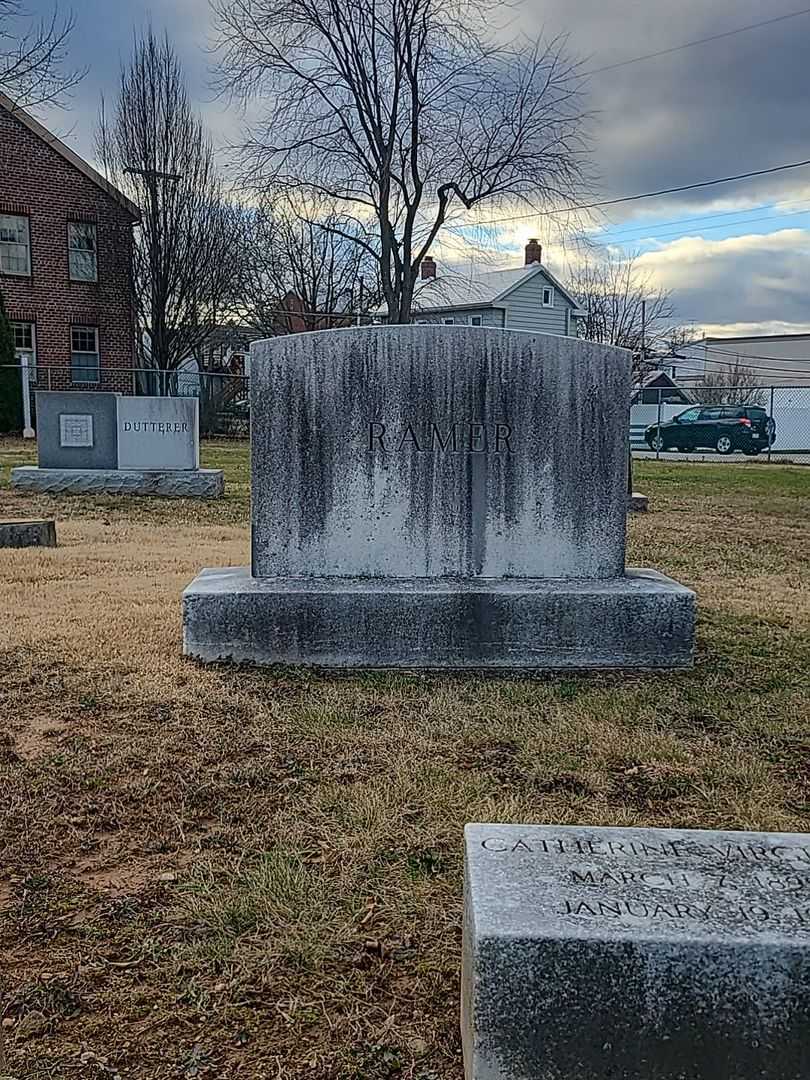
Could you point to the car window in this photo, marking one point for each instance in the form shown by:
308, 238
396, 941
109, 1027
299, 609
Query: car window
711, 414
757, 414
689, 415
733, 414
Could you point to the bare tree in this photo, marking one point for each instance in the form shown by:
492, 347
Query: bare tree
303, 270
187, 248
623, 305
403, 113
33, 55
735, 384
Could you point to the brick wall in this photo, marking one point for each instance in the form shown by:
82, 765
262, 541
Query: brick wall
36, 180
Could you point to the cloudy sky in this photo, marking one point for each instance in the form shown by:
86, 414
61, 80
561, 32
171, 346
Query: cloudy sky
736, 256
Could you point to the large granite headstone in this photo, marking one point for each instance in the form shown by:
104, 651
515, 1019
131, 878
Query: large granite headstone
431, 496
635, 954
101, 443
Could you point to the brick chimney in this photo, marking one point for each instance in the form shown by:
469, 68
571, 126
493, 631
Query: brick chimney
534, 252
428, 268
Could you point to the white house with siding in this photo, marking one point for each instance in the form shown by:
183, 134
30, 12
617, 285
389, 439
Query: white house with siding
528, 297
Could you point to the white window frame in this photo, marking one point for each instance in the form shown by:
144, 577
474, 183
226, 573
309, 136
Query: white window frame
84, 252
32, 352
448, 322
6, 245
84, 353
548, 289
476, 320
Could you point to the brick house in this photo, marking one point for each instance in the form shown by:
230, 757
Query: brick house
65, 260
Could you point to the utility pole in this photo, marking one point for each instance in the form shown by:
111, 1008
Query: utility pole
360, 301
643, 371
643, 335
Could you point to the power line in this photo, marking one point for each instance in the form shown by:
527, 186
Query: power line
652, 226
764, 370
641, 195
699, 41
727, 224
754, 356
720, 368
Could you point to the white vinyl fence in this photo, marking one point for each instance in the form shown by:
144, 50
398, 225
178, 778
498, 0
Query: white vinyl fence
788, 405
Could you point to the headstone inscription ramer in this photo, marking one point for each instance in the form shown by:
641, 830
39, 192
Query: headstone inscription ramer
441, 497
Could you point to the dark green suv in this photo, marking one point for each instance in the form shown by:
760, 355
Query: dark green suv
724, 428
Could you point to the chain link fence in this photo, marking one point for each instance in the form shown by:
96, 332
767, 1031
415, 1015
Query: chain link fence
728, 422
778, 414
224, 396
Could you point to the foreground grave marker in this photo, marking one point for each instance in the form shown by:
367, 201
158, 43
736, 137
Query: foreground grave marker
441, 497
640, 954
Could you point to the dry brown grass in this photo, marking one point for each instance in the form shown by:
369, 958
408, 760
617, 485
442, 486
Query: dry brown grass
224, 872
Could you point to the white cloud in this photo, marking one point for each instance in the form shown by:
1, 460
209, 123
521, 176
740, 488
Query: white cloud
753, 280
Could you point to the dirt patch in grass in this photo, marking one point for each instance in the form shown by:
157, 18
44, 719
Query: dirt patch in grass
226, 872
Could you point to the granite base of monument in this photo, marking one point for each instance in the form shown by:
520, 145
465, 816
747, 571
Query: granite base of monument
635, 954
643, 620
185, 483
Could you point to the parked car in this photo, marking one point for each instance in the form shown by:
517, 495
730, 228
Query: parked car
724, 428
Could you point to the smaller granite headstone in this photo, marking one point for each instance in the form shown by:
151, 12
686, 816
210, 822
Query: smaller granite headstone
76, 430
158, 433
99, 443
635, 954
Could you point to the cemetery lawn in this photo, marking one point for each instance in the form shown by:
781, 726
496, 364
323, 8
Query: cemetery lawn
223, 872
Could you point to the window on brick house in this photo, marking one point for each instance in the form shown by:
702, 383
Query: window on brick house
84, 358
25, 344
82, 256
15, 245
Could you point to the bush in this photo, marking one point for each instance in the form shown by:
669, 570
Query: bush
11, 412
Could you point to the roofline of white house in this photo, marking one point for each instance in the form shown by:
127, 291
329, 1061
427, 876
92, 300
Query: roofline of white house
536, 269
69, 155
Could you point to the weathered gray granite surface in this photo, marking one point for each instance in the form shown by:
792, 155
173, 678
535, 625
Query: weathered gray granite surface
643, 620
428, 451
439, 497
189, 483
18, 534
635, 954
76, 429
158, 433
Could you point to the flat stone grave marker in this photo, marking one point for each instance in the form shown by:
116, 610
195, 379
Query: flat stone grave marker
635, 954
33, 533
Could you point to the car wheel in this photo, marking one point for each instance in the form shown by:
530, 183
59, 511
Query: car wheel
725, 445
657, 442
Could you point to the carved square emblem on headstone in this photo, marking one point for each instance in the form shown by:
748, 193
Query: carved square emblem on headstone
75, 429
